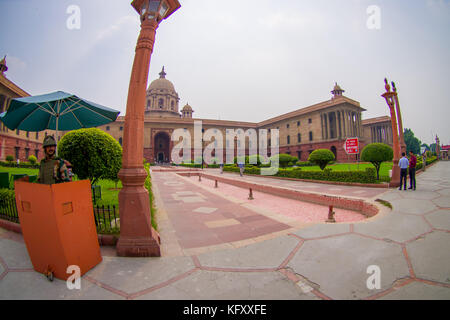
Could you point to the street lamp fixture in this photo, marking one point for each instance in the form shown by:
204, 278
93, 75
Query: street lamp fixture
137, 237
389, 96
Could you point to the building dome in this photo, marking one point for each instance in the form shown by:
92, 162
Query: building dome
187, 111
162, 84
162, 99
337, 91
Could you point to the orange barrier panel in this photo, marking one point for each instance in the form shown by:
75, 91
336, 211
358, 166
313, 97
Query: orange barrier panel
58, 226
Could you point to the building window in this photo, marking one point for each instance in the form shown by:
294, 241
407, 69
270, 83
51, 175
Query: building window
27, 153
121, 128
270, 143
28, 135
299, 137
287, 126
173, 105
309, 120
161, 103
288, 139
37, 135
107, 128
17, 132
310, 136
299, 155
36, 153
298, 123
120, 141
17, 149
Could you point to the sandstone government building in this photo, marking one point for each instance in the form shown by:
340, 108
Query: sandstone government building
325, 125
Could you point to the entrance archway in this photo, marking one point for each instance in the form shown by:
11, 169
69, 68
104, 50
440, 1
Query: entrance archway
334, 150
162, 147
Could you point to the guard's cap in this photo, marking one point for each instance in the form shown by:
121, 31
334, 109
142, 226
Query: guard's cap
49, 141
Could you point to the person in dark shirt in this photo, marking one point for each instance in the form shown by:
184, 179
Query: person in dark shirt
412, 171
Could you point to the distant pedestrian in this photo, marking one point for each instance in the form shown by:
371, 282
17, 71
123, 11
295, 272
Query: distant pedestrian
424, 160
241, 169
403, 164
412, 170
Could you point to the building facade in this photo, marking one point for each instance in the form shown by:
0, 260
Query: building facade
17, 143
325, 125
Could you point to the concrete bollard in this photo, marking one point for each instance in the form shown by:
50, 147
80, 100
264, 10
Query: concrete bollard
200, 177
331, 215
250, 195
216, 185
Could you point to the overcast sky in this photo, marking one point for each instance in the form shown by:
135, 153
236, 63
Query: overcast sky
246, 60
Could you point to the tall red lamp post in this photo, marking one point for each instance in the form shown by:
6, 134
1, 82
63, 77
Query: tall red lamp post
137, 237
391, 101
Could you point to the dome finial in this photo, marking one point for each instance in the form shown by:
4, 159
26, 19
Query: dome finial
162, 74
337, 91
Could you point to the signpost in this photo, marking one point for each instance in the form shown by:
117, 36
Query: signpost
351, 146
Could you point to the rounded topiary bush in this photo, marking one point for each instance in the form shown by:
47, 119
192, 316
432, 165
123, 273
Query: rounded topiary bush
321, 157
9, 158
377, 153
93, 153
283, 159
32, 159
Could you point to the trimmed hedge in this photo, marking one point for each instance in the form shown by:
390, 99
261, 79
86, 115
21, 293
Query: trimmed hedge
6, 194
24, 165
367, 176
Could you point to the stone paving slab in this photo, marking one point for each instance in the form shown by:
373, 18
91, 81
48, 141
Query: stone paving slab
339, 265
15, 254
439, 219
323, 230
419, 291
413, 206
206, 285
252, 256
430, 256
133, 275
35, 286
387, 227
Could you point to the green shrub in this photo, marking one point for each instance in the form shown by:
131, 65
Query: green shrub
32, 159
304, 164
7, 195
9, 158
283, 159
377, 153
94, 154
321, 157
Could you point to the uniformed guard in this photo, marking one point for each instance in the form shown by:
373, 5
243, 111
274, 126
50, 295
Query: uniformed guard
52, 169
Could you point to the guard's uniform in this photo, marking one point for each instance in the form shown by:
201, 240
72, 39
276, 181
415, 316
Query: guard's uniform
54, 170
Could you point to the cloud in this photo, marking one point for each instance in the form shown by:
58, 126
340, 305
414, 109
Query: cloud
119, 24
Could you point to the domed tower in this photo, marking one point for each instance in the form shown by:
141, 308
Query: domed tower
162, 99
337, 91
187, 111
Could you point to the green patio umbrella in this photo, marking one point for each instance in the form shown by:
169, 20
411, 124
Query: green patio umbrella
56, 111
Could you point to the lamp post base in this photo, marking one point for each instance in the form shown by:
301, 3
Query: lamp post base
139, 247
395, 179
137, 237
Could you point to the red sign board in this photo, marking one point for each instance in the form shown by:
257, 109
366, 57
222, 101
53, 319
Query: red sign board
352, 146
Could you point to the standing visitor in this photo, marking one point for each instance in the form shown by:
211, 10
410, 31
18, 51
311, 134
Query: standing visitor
412, 171
424, 160
403, 164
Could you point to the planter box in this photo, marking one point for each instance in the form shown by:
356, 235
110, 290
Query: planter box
58, 226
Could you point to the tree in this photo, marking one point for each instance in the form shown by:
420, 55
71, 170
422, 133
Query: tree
377, 153
94, 154
412, 143
284, 159
321, 157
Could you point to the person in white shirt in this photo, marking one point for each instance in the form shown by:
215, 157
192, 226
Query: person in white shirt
403, 164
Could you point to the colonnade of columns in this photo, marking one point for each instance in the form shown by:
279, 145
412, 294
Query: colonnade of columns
381, 133
341, 124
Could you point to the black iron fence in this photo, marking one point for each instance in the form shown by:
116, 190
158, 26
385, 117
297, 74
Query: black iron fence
106, 217
8, 210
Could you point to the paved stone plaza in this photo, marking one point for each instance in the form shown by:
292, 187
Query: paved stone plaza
218, 246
